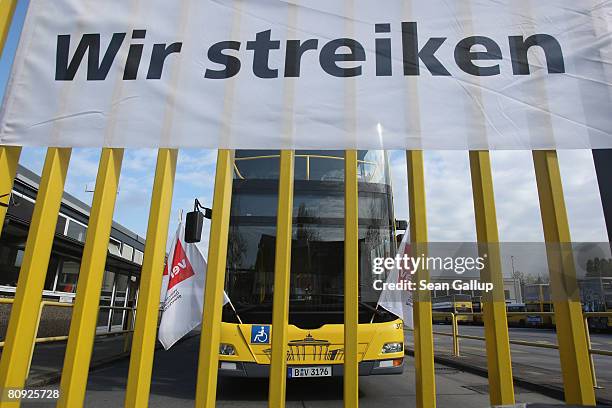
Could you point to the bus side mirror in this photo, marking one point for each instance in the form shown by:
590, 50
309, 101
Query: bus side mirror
195, 221
401, 225
193, 227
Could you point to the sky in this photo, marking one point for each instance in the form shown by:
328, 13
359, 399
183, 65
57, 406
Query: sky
450, 212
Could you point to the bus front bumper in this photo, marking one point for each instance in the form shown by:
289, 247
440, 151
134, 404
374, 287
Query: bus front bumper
254, 370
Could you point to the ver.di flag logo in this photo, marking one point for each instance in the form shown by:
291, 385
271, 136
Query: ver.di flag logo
181, 267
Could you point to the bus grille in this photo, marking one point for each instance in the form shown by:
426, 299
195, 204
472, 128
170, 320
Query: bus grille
311, 349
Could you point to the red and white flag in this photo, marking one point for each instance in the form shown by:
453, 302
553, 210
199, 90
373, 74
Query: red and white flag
399, 302
183, 297
166, 276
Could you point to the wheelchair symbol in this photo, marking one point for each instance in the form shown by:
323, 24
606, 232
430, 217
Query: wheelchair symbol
261, 337
260, 334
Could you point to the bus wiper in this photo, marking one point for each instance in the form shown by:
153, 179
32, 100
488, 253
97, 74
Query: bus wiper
234, 309
250, 307
360, 302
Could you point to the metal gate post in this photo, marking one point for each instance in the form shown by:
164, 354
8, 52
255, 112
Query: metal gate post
7, 10
109, 320
501, 388
423, 328
455, 335
9, 158
282, 270
91, 274
21, 330
126, 295
351, 280
572, 342
143, 345
208, 364
602, 159
589, 345
131, 320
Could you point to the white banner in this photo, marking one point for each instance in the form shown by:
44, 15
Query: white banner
308, 74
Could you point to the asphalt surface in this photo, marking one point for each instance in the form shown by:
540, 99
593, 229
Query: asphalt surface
174, 380
541, 365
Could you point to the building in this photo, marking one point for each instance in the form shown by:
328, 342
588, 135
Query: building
125, 254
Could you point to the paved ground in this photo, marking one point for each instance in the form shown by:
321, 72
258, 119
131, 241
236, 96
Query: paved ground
539, 365
174, 378
175, 371
48, 359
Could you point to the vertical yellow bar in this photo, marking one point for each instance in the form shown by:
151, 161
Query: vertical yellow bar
22, 324
456, 352
351, 280
501, 388
143, 345
587, 335
9, 158
9, 155
282, 270
208, 364
423, 330
571, 338
7, 10
91, 274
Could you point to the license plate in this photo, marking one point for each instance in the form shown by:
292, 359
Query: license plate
318, 371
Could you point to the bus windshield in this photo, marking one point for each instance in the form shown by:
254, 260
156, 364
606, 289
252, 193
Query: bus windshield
317, 253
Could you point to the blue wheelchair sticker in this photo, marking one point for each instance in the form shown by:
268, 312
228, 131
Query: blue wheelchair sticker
260, 334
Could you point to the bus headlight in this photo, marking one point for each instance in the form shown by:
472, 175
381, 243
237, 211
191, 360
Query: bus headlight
227, 350
392, 348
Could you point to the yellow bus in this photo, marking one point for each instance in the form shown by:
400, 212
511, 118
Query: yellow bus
515, 319
537, 299
477, 309
460, 304
596, 296
315, 332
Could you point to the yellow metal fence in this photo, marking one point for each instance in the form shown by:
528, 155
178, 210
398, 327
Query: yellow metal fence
23, 322
53, 339
573, 347
14, 364
456, 336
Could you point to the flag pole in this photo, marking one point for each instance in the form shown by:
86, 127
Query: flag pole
233, 308
374, 313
